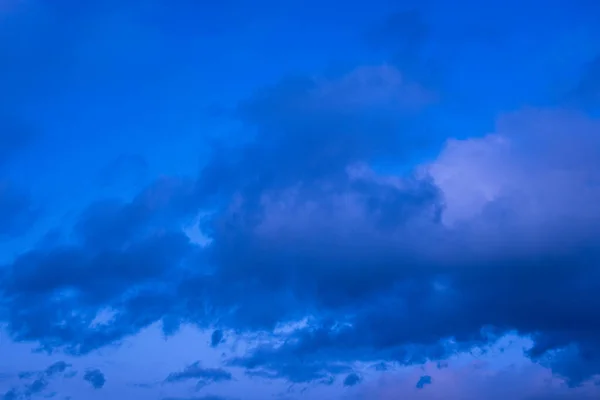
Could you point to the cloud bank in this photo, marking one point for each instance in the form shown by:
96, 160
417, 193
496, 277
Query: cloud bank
309, 224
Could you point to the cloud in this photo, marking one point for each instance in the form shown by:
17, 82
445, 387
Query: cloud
352, 379
473, 381
95, 377
423, 381
204, 376
120, 250
57, 368
36, 382
37, 386
520, 224
307, 224
216, 338
268, 364
540, 158
10, 395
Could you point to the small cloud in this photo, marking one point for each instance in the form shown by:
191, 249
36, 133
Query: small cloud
95, 377
12, 394
424, 380
41, 380
205, 376
57, 368
216, 338
37, 386
382, 366
352, 379
26, 374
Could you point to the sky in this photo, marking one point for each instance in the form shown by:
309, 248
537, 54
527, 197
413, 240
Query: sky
297, 200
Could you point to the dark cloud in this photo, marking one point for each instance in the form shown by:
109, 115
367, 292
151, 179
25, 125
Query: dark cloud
268, 365
204, 376
95, 377
57, 368
308, 226
381, 366
442, 364
423, 381
120, 250
352, 379
12, 394
37, 386
34, 388
26, 374
216, 338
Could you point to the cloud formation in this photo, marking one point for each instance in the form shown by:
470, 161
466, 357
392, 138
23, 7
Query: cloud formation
95, 377
351, 379
423, 381
348, 234
216, 338
475, 380
204, 376
308, 224
35, 383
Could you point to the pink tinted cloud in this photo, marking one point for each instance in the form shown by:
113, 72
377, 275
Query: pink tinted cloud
476, 381
545, 160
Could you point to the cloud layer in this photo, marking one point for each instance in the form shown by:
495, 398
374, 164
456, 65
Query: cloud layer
343, 229
497, 232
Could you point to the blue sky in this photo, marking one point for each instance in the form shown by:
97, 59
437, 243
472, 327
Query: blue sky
299, 200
